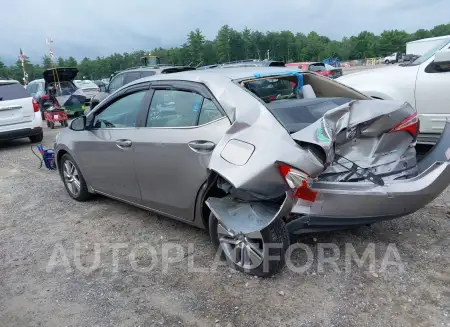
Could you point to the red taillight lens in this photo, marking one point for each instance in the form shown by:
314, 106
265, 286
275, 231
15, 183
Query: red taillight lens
410, 124
35, 105
272, 98
298, 181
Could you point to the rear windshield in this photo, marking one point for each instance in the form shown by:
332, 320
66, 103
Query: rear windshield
12, 91
271, 89
317, 67
297, 114
63, 88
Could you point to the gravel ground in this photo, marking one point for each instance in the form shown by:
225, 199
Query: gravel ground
38, 220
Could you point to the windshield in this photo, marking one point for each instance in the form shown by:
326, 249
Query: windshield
430, 53
317, 67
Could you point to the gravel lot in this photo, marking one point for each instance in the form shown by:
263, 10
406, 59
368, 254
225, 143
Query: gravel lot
37, 216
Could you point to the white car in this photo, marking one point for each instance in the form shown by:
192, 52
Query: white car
89, 88
19, 113
424, 83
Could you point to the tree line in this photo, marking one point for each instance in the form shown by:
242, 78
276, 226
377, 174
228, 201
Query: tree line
231, 45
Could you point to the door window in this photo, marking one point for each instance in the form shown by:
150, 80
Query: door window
132, 76
148, 73
116, 83
122, 113
174, 108
209, 112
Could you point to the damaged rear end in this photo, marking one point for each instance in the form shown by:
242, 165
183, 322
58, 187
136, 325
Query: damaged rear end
342, 162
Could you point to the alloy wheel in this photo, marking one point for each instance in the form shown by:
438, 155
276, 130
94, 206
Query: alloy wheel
71, 178
244, 250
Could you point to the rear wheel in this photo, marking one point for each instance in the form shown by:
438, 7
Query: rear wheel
65, 123
73, 179
52, 125
37, 138
260, 253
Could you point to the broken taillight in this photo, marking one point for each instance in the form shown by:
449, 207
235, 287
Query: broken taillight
298, 181
410, 124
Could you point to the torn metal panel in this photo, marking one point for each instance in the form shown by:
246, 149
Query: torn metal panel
246, 217
395, 198
346, 118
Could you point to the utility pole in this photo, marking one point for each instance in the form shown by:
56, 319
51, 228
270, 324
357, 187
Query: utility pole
268, 54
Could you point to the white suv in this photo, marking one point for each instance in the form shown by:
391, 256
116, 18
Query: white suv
19, 113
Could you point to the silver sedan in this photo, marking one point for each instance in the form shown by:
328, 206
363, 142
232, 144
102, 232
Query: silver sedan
252, 155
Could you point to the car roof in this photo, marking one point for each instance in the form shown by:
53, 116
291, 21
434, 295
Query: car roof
9, 81
157, 69
229, 73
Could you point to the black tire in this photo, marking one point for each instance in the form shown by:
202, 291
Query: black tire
37, 138
52, 125
387, 62
65, 123
275, 233
83, 194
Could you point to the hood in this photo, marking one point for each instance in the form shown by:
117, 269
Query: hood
64, 74
390, 75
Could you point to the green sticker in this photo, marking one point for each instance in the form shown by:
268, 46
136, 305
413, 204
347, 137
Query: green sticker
321, 136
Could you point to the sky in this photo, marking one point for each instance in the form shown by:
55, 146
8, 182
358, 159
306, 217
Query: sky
91, 28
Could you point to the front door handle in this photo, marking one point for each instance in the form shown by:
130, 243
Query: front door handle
124, 143
202, 146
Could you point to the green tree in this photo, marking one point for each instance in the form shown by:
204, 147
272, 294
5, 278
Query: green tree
71, 62
223, 44
195, 45
46, 62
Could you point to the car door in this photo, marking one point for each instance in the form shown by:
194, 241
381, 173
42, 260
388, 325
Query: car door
184, 123
432, 97
105, 151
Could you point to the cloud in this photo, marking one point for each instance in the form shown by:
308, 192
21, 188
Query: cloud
98, 28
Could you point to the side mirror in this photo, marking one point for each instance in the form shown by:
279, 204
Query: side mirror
78, 124
442, 56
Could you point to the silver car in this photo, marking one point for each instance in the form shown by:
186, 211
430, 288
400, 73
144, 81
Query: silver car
252, 155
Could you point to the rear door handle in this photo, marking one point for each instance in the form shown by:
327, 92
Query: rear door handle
202, 146
124, 143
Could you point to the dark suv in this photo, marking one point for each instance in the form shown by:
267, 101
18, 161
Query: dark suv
131, 74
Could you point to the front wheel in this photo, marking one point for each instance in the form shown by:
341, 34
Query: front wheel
386, 62
73, 179
260, 253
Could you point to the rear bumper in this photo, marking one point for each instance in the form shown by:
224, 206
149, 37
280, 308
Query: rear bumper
364, 202
20, 133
